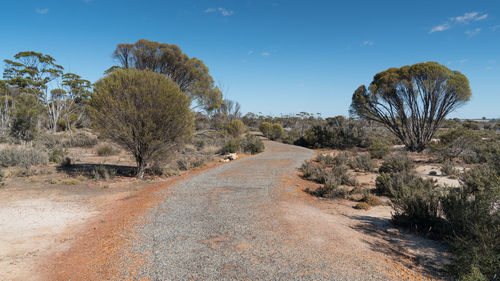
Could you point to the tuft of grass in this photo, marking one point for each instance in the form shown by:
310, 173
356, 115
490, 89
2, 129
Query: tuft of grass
106, 150
362, 206
371, 200
70, 182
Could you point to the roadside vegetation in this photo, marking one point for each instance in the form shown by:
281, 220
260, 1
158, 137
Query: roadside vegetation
158, 112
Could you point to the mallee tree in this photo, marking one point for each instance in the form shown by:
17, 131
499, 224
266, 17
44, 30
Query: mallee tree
412, 101
144, 112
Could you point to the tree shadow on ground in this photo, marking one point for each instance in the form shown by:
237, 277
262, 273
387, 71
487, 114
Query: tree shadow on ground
425, 256
97, 171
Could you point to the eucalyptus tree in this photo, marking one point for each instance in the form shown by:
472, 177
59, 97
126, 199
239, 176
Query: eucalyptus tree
412, 101
78, 92
190, 74
32, 72
142, 111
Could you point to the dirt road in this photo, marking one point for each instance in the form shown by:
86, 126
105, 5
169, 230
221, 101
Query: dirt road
244, 221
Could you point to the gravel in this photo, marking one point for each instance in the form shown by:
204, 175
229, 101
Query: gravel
223, 225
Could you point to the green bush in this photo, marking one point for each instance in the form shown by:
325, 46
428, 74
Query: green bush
236, 128
106, 150
57, 155
313, 172
252, 144
81, 140
266, 129
23, 157
189, 163
416, 205
25, 122
379, 149
473, 215
448, 169
277, 131
397, 164
453, 143
361, 163
232, 145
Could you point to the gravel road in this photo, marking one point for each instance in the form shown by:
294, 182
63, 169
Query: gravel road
225, 224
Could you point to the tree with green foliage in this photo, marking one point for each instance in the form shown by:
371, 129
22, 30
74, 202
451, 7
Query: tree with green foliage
266, 129
277, 131
77, 96
190, 74
412, 101
236, 128
24, 125
142, 111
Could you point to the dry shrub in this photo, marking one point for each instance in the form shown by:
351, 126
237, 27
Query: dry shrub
372, 200
362, 206
106, 150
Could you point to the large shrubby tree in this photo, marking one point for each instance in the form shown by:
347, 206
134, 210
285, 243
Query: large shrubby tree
412, 101
58, 95
144, 112
190, 74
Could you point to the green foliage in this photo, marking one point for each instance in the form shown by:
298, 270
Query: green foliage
57, 155
277, 131
190, 74
453, 143
105, 150
391, 100
473, 215
189, 163
236, 128
142, 111
336, 135
448, 169
24, 125
23, 157
266, 129
313, 172
400, 163
233, 145
81, 140
486, 151
361, 163
416, 204
252, 144
379, 149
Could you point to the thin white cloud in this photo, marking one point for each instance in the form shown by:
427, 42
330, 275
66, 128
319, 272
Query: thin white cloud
465, 19
42, 11
224, 12
300, 85
473, 32
468, 17
250, 52
441, 27
265, 54
495, 28
367, 43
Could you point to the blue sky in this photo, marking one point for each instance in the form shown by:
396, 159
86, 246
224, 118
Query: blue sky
277, 56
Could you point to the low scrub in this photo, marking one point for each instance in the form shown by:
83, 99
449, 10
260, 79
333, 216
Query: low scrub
81, 140
361, 163
23, 157
400, 163
448, 169
57, 155
472, 213
189, 163
379, 149
106, 150
416, 206
371, 200
252, 144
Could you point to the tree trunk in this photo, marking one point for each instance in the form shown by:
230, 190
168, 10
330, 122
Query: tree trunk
141, 168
